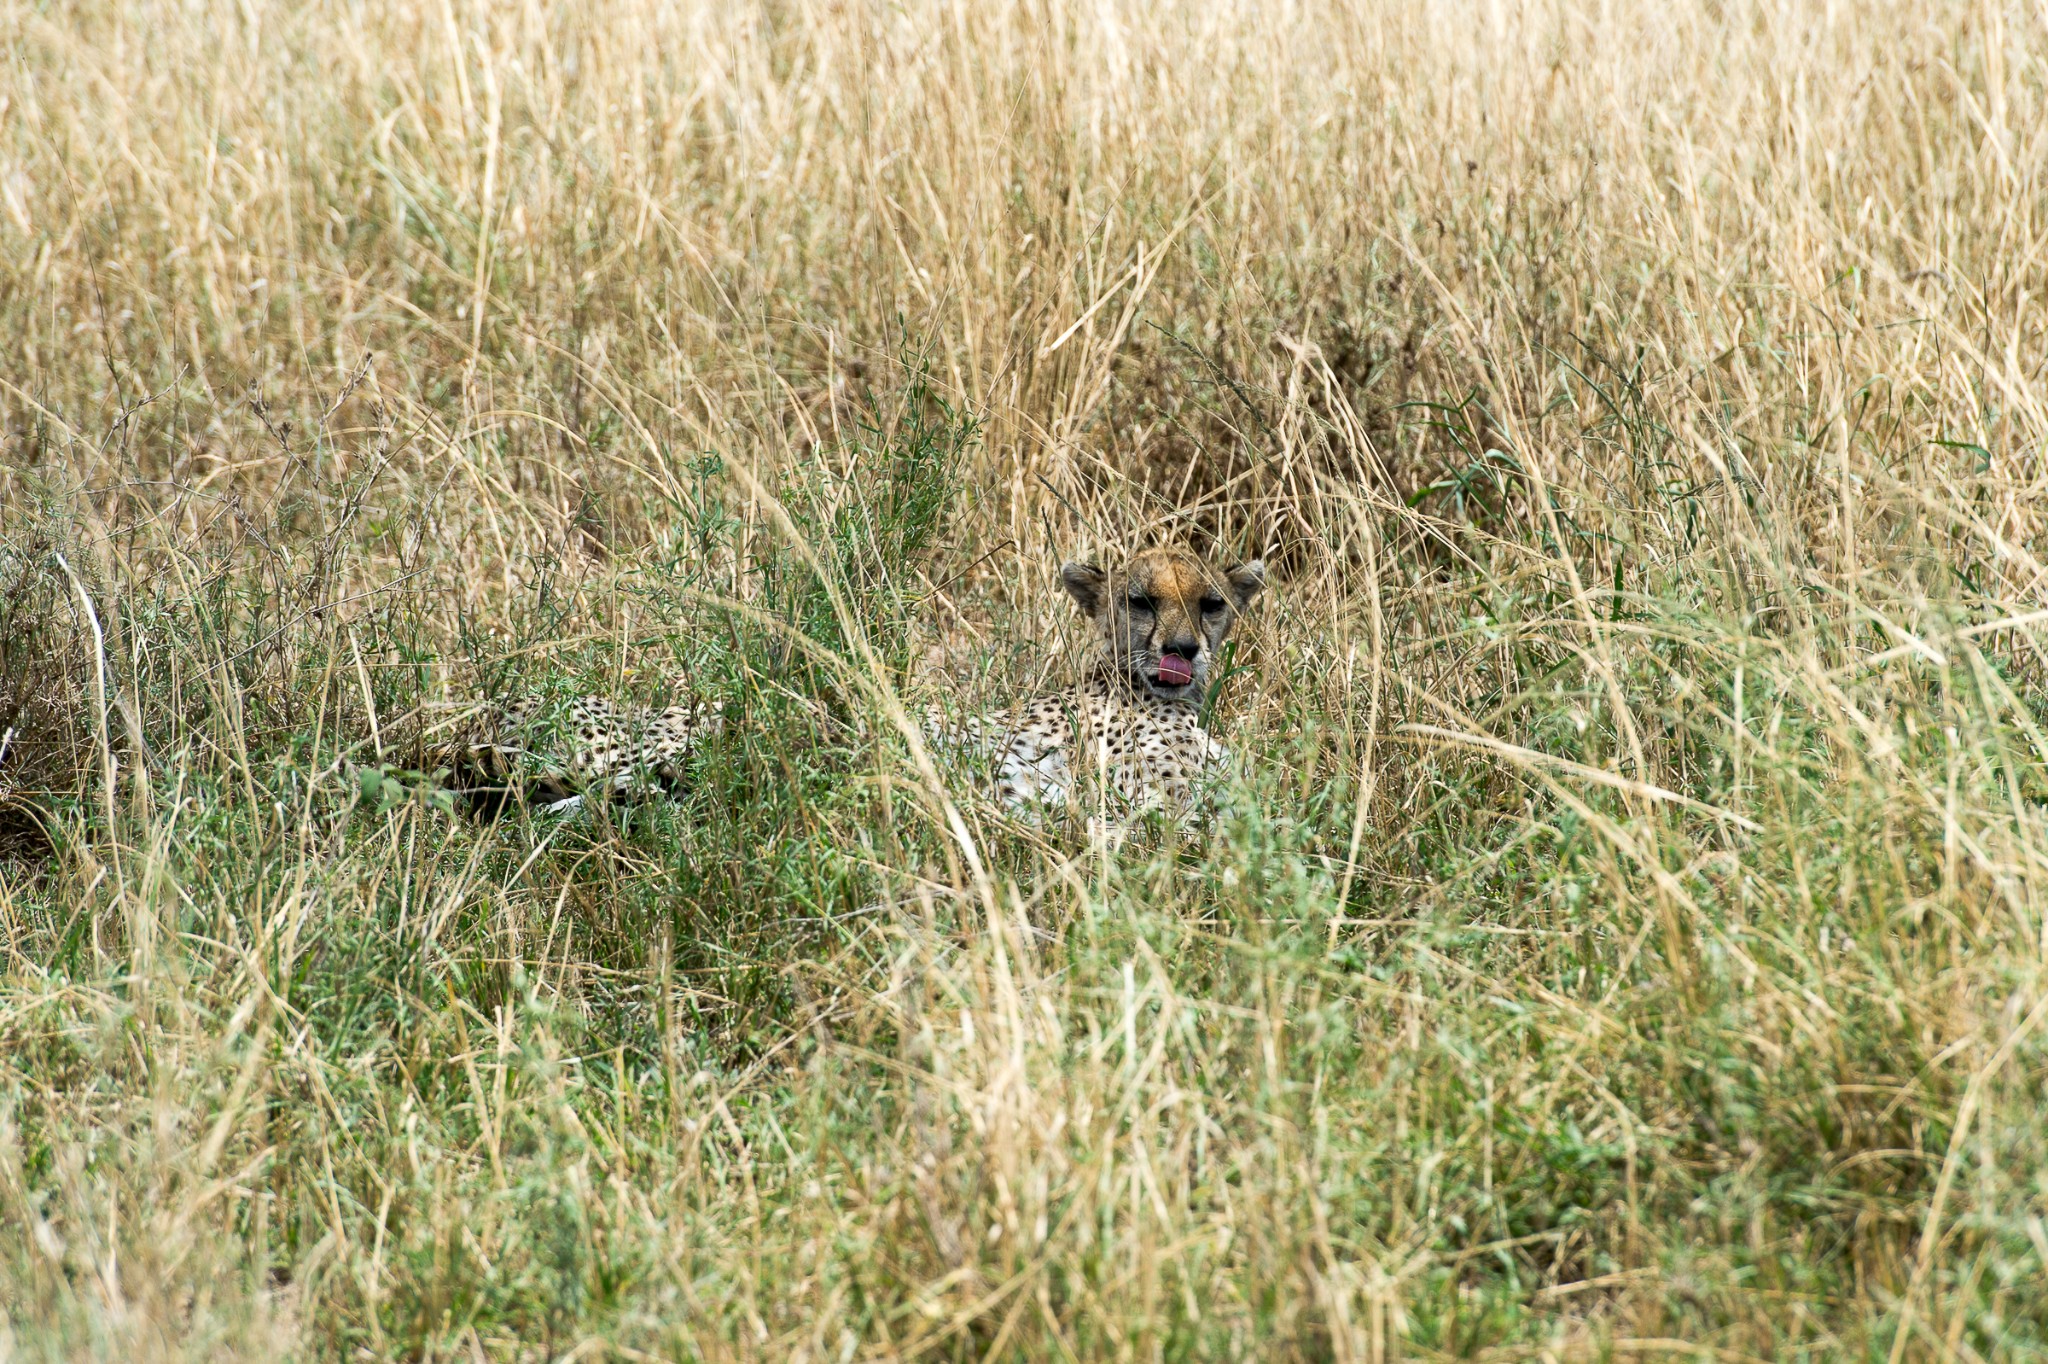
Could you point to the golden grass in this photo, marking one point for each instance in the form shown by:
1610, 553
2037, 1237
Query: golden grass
1626, 942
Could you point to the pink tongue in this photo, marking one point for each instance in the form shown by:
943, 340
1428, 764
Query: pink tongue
1174, 670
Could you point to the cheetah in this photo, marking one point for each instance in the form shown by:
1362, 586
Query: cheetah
1132, 730
550, 756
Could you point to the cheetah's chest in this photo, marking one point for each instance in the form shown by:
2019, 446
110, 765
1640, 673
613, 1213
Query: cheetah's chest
1139, 751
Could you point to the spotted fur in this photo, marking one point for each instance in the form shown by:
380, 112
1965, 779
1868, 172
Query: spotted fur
1130, 736
550, 756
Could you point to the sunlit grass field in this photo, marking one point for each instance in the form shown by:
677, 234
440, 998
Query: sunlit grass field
1624, 934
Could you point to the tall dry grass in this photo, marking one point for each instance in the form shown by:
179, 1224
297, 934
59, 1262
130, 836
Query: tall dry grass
1624, 938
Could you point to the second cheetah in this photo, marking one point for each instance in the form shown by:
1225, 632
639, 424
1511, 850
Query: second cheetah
550, 756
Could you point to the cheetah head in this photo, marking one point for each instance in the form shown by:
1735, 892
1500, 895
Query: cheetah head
1162, 617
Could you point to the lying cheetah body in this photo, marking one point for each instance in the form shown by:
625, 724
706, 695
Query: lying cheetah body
1130, 736
551, 755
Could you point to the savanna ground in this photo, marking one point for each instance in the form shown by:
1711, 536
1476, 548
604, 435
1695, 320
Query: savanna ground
1625, 937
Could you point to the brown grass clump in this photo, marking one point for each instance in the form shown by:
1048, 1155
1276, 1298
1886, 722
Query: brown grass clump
1624, 940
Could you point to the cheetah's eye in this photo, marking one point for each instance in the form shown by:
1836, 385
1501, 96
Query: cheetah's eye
1211, 605
1138, 601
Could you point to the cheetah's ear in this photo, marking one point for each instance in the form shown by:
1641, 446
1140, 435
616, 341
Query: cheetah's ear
1245, 581
1085, 584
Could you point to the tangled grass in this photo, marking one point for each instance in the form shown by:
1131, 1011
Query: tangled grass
1625, 939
